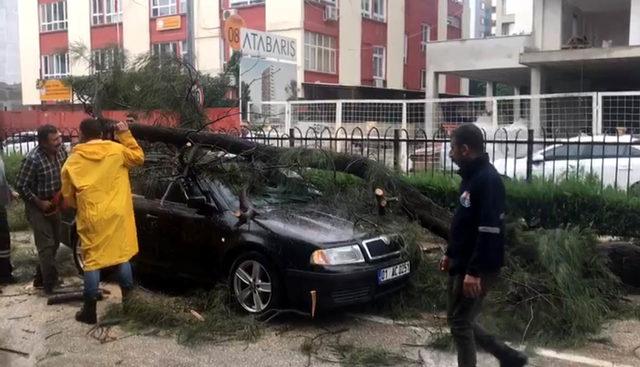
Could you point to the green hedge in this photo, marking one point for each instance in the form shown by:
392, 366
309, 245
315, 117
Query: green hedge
579, 202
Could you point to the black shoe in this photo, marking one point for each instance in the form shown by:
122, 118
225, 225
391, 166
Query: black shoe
37, 280
87, 313
515, 359
8, 280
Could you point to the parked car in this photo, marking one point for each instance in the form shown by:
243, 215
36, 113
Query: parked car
292, 250
24, 142
618, 165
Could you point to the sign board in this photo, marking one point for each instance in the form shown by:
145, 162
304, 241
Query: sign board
168, 23
53, 90
268, 45
232, 27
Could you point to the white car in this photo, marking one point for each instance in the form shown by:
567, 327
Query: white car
24, 142
616, 160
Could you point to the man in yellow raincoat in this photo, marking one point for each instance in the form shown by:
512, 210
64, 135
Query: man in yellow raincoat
95, 180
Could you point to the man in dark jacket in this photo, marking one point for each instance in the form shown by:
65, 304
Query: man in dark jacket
476, 249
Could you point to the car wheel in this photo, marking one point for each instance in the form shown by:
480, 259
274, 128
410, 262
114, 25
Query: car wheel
78, 258
254, 283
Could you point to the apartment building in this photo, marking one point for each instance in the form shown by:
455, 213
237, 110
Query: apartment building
348, 48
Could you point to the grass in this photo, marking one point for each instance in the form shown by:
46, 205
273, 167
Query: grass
351, 355
173, 315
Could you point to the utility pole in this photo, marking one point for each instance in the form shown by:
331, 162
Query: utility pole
190, 34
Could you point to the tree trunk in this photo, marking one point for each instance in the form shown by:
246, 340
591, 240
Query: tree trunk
416, 205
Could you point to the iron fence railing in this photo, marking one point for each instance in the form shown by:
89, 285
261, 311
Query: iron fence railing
613, 160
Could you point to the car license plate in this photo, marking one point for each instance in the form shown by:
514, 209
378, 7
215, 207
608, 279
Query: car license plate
393, 272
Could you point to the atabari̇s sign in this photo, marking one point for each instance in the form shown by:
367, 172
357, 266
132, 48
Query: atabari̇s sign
267, 45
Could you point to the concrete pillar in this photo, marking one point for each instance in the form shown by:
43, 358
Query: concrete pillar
79, 33
29, 33
350, 42
466, 34
516, 105
538, 23
634, 24
443, 14
537, 88
430, 108
207, 37
552, 30
489, 92
135, 32
395, 45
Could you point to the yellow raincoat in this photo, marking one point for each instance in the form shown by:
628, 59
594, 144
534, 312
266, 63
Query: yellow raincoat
95, 180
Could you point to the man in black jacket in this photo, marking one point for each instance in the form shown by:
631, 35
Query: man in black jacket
476, 249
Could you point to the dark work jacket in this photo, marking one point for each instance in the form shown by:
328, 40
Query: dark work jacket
476, 244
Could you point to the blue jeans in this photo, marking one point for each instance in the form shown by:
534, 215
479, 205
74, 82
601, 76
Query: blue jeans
92, 279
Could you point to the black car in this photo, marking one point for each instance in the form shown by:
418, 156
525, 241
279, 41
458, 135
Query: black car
280, 250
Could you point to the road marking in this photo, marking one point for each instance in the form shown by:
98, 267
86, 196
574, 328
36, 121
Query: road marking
578, 359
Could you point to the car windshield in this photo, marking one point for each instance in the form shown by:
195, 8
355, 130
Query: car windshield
282, 187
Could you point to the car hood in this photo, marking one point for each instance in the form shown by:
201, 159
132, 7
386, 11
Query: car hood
308, 224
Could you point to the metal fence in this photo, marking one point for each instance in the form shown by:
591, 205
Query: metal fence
612, 160
609, 160
548, 115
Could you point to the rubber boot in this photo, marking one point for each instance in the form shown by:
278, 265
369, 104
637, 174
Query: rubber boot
87, 313
514, 358
126, 297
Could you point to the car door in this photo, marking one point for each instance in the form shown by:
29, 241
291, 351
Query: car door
189, 237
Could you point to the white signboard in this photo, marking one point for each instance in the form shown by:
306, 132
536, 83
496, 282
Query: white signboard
268, 45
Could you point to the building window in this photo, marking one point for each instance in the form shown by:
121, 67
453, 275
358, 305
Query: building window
378, 63
453, 21
319, 53
53, 16
423, 79
55, 66
104, 59
183, 6
374, 9
426, 37
105, 12
165, 49
244, 2
161, 8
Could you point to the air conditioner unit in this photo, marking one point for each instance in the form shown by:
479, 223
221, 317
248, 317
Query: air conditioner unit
229, 12
330, 13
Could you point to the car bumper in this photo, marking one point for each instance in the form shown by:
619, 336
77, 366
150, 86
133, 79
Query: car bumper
342, 287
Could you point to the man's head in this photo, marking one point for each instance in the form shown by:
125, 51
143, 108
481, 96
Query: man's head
49, 139
91, 129
467, 144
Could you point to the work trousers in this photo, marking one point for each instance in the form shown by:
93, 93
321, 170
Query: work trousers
461, 315
5, 246
46, 232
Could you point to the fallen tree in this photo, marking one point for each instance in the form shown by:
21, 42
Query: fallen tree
431, 216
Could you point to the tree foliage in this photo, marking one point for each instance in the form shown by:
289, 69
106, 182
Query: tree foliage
148, 83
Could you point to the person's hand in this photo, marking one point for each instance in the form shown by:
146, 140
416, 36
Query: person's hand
444, 264
471, 286
122, 126
45, 206
15, 195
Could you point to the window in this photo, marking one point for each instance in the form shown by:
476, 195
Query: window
183, 50
426, 37
104, 59
611, 150
378, 63
245, 2
562, 152
183, 6
482, 6
374, 9
319, 53
105, 12
423, 79
165, 49
54, 66
161, 8
53, 16
453, 21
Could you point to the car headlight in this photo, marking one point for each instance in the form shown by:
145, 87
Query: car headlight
338, 256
